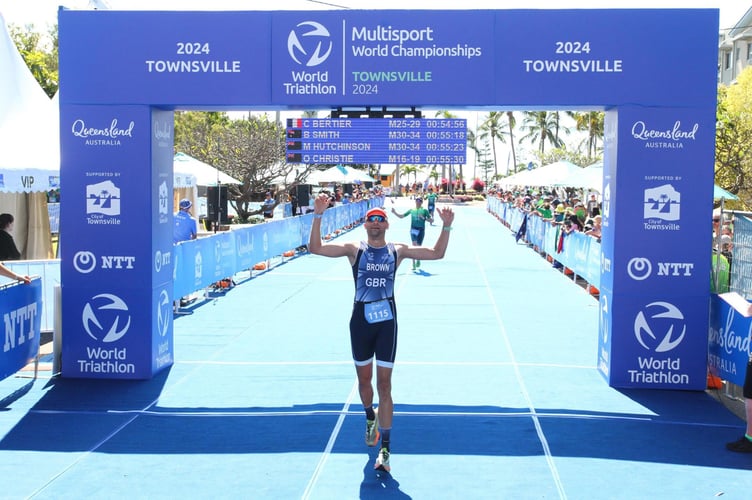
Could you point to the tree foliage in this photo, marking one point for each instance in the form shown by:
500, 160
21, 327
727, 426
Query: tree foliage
39, 52
733, 137
252, 150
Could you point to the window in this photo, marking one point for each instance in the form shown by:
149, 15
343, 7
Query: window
727, 60
749, 52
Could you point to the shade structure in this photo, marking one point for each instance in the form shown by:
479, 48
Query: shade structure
553, 174
719, 192
340, 174
205, 174
29, 130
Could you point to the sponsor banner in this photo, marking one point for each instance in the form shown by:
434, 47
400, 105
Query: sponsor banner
116, 333
650, 341
594, 56
21, 319
180, 58
729, 342
403, 58
161, 202
664, 171
394, 57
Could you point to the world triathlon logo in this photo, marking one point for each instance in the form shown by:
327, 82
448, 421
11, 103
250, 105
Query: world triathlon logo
106, 318
309, 44
660, 327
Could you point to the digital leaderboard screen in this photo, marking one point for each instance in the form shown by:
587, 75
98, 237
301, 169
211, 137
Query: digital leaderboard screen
377, 140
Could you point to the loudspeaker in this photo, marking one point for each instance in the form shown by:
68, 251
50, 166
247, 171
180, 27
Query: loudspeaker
303, 193
216, 201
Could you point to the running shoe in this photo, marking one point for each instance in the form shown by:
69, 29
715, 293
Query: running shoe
743, 445
382, 461
372, 431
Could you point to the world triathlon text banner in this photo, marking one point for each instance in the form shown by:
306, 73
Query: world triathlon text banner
21, 316
277, 60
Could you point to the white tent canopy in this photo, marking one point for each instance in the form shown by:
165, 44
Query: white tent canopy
341, 174
29, 126
553, 174
590, 177
185, 167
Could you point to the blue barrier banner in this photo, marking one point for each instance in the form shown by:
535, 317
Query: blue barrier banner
729, 346
21, 313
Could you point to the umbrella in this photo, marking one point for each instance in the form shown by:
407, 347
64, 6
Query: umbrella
719, 192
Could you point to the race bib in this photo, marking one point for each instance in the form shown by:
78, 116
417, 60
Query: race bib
415, 233
379, 311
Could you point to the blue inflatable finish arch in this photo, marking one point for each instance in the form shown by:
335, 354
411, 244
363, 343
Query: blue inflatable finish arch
652, 71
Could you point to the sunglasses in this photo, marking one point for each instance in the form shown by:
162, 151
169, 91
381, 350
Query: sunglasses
376, 218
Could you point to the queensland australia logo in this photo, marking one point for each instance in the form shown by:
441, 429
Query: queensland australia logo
103, 203
103, 135
106, 318
660, 327
163, 134
669, 138
641, 268
662, 208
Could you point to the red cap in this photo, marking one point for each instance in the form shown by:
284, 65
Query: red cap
376, 211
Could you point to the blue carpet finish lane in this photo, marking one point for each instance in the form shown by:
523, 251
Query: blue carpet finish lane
495, 388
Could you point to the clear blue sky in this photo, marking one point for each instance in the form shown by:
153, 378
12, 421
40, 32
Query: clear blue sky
43, 12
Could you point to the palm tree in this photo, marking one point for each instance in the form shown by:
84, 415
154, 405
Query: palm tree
410, 169
491, 129
472, 143
542, 126
511, 123
592, 123
447, 114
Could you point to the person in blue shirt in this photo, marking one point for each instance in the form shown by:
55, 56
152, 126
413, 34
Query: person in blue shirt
373, 323
185, 226
268, 207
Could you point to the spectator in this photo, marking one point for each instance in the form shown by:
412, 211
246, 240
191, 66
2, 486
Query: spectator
4, 271
744, 443
595, 230
185, 226
268, 206
593, 207
8, 250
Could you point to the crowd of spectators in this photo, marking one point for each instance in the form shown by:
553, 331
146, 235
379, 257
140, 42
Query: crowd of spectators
563, 208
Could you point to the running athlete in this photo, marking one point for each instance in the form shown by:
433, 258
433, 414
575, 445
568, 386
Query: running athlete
417, 225
373, 324
431, 198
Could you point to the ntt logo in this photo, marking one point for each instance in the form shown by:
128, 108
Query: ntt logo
309, 44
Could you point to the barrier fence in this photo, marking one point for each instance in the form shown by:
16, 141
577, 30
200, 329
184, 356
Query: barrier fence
20, 308
730, 328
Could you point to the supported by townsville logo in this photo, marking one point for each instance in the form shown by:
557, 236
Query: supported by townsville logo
316, 48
